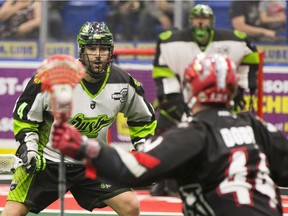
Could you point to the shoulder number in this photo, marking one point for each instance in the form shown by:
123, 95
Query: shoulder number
20, 110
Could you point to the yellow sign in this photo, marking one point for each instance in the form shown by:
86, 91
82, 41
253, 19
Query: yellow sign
146, 46
275, 53
31, 50
271, 104
122, 128
59, 48
124, 46
18, 50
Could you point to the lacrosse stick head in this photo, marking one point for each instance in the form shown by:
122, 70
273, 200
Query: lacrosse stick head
58, 75
9, 162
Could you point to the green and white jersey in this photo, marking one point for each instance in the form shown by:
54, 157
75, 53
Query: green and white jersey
176, 50
92, 114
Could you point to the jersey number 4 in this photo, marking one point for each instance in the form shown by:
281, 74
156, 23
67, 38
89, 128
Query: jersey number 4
236, 181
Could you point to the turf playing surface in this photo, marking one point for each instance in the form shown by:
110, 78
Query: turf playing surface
150, 206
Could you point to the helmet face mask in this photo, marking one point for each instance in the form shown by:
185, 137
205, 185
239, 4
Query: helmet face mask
96, 59
202, 19
95, 46
210, 79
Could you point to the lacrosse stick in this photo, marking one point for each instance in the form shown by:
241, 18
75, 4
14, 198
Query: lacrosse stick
58, 75
9, 162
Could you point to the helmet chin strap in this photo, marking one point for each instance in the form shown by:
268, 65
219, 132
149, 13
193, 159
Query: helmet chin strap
96, 76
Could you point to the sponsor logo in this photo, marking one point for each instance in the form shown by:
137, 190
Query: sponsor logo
121, 96
13, 185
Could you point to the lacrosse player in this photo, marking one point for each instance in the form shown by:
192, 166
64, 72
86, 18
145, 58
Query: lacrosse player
174, 51
224, 163
105, 91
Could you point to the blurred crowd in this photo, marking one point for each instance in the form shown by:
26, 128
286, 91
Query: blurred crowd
132, 20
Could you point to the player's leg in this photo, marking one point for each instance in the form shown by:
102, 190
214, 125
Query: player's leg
125, 204
13, 208
166, 187
31, 192
92, 193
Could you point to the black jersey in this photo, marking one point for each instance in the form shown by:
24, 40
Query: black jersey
218, 161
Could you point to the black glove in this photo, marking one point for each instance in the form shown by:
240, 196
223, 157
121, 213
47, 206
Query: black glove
32, 161
252, 81
172, 106
138, 143
239, 102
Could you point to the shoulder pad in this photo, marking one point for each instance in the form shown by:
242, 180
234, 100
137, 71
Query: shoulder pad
240, 34
137, 85
136, 82
165, 35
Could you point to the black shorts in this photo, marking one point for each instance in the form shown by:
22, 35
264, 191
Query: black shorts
39, 190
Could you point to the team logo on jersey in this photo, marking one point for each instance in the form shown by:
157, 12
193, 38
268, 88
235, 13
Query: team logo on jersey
122, 95
91, 126
92, 104
13, 185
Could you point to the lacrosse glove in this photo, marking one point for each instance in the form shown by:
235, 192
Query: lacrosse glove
172, 107
32, 161
70, 142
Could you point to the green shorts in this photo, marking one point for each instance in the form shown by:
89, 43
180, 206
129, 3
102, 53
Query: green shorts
39, 190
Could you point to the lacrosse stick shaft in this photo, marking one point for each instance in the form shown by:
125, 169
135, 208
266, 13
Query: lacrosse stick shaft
62, 184
61, 98
61, 105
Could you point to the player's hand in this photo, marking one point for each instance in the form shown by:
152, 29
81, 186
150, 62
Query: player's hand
172, 107
32, 161
68, 140
137, 145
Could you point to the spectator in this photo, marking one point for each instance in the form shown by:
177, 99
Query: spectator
218, 159
20, 19
55, 20
123, 18
155, 13
273, 15
245, 17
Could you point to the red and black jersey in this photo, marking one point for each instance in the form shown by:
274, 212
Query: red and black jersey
225, 164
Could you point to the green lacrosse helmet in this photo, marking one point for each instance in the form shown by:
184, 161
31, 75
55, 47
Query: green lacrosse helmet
95, 33
201, 10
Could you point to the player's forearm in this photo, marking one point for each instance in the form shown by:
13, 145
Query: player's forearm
125, 168
254, 31
271, 19
257, 31
6, 11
